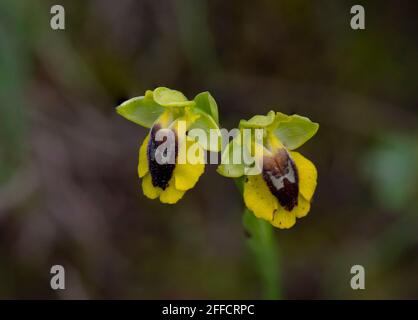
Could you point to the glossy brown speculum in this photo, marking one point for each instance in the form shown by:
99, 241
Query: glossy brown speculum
161, 172
280, 174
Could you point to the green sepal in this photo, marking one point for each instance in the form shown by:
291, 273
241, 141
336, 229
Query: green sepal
170, 98
258, 121
232, 150
142, 110
293, 131
205, 102
206, 123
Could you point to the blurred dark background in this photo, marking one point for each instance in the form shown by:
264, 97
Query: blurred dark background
69, 192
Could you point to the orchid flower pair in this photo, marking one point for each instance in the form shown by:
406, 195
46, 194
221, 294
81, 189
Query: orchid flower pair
279, 192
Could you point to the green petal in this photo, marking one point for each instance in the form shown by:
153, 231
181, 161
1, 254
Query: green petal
206, 123
141, 110
293, 131
206, 103
228, 168
258, 121
170, 98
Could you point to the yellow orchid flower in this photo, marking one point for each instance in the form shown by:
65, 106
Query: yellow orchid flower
283, 189
167, 173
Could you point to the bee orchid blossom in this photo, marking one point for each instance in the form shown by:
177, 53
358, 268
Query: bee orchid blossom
166, 172
278, 183
283, 189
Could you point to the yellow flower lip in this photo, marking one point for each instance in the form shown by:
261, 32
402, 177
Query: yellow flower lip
168, 181
267, 196
281, 175
161, 171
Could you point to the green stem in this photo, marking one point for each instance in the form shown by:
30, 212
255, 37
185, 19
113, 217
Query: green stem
263, 246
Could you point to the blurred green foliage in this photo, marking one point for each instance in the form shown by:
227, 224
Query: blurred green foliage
392, 169
13, 77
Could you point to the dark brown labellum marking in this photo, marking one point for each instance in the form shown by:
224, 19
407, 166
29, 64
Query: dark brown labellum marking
281, 176
161, 173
